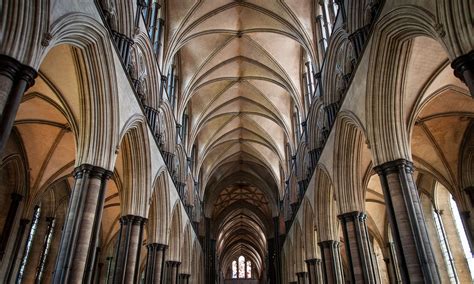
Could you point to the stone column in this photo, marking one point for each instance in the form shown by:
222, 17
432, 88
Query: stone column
79, 239
358, 40
124, 45
184, 278
302, 277
331, 262
331, 111
9, 221
314, 271
413, 247
155, 263
128, 249
15, 79
359, 251
172, 268
464, 69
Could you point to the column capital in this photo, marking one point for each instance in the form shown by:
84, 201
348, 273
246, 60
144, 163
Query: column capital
329, 244
133, 219
354, 215
157, 246
13, 69
92, 171
394, 166
173, 263
313, 261
301, 274
463, 63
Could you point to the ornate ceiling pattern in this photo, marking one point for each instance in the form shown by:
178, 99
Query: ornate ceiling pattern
240, 66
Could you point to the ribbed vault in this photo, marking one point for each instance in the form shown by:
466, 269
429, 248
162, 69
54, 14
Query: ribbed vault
240, 66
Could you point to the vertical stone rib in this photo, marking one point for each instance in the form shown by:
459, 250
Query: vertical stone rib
413, 248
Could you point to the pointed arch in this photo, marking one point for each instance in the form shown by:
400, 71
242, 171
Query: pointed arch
98, 124
326, 206
348, 172
135, 152
158, 216
175, 234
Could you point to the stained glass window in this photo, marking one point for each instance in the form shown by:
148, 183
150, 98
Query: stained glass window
29, 243
241, 267
234, 269
462, 235
249, 269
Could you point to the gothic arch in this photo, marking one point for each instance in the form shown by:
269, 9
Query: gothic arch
309, 229
385, 97
175, 234
317, 124
144, 70
98, 123
186, 265
167, 128
29, 27
338, 52
348, 171
158, 217
135, 153
119, 15
326, 206
299, 249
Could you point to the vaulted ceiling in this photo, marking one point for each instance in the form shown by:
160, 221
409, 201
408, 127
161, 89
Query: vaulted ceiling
240, 66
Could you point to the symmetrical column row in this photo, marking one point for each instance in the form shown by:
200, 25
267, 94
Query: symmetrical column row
129, 247
362, 266
79, 242
155, 263
411, 255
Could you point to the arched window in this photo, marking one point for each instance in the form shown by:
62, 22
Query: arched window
462, 235
234, 269
241, 267
29, 243
249, 269
448, 258
453, 242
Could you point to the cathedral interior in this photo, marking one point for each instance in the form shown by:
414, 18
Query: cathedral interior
237, 141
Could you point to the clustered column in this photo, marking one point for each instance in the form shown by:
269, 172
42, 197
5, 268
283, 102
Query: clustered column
79, 240
302, 277
314, 270
128, 249
464, 69
155, 263
9, 221
413, 247
362, 265
15, 79
172, 268
331, 261
183, 278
